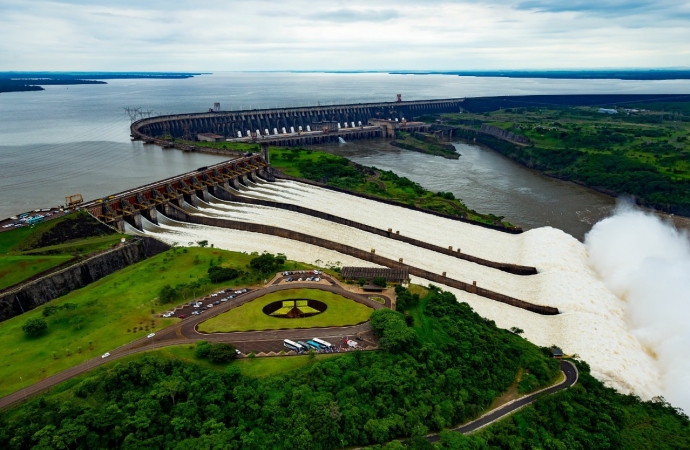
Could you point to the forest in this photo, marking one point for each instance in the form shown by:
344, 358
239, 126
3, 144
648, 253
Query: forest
644, 153
420, 383
441, 365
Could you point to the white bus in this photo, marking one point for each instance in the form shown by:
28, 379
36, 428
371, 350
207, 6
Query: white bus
322, 343
293, 345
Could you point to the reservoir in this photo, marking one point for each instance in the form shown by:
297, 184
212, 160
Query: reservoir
488, 182
75, 139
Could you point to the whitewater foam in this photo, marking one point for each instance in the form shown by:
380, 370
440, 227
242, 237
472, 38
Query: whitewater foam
593, 320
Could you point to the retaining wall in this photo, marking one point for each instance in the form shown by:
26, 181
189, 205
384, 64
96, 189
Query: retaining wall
505, 267
278, 174
363, 255
38, 292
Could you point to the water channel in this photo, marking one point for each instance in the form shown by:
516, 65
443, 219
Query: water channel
488, 182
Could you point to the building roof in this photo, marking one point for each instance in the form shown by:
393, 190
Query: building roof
373, 287
555, 351
369, 273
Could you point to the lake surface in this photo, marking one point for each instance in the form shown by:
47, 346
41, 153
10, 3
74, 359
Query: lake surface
75, 139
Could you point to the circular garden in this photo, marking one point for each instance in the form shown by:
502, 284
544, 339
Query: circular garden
289, 308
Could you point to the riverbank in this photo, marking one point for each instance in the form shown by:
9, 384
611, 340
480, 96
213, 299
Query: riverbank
641, 153
424, 143
340, 172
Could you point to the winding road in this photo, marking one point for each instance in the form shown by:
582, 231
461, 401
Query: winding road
185, 332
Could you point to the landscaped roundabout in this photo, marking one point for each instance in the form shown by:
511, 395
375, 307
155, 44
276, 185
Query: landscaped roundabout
289, 309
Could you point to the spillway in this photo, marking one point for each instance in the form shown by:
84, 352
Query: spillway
592, 321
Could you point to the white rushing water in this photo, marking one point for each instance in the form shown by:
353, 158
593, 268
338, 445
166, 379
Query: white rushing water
593, 323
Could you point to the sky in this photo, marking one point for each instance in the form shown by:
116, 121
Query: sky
215, 35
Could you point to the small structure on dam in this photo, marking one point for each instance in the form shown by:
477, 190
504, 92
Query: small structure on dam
291, 126
148, 200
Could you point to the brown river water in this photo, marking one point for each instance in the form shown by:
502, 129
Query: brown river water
488, 182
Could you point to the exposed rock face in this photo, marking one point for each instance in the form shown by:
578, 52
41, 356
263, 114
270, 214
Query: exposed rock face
35, 293
504, 134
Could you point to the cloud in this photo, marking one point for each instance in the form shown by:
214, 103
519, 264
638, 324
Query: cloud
353, 15
301, 35
605, 8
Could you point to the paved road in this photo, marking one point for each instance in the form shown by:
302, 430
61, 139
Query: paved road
571, 375
184, 332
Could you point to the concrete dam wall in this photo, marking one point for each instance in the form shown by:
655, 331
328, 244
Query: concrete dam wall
38, 292
229, 123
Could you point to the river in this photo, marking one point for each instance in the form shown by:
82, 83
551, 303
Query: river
488, 182
75, 139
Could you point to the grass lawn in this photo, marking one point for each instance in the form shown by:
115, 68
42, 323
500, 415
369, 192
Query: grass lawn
18, 261
248, 317
253, 367
15, 269
105, 311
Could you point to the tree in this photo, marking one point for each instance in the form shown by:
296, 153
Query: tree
35, 327
391, 327
167, 294
217, 274
202, 349
202, 244
267, 262
221, 353
379, 281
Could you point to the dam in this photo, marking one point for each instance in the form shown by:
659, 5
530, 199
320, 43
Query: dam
291, 126
538, 281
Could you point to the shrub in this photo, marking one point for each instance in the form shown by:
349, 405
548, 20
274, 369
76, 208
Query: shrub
35, 327
379, 281
202, 349
217, 274
221, 353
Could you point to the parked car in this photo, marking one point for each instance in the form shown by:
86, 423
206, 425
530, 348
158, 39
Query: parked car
214, 295
225, 299
317, 279
105, 355
151, 335
216, 302
238, 352
210, 305
244, 290
221, 292
196, 313
181, 316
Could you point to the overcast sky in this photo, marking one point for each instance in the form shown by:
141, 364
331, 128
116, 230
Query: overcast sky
214, 35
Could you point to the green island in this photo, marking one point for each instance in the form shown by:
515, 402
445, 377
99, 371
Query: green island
323, 167
424, 143
250, 316
440, 365
31, 251
641, 151
341, 172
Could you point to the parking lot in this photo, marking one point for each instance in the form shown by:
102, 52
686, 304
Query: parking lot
201, 305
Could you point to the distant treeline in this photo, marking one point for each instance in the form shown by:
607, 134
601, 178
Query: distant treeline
486, 104
571, 74
32, 81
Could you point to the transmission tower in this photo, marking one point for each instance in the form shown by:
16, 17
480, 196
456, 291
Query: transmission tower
133, 113
187, 135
